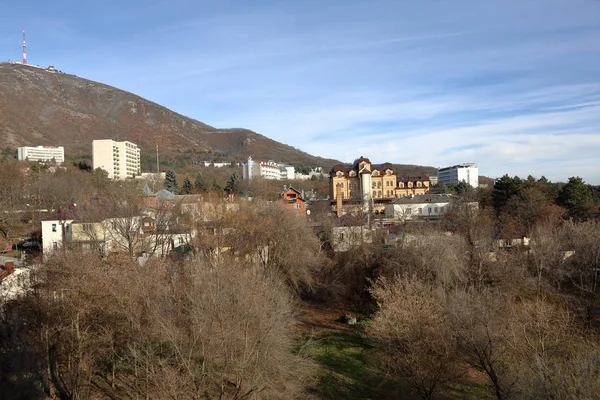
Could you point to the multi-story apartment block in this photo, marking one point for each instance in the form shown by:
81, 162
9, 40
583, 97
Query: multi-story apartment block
42, 154
120, 159
366, 182
267, 170
467, 172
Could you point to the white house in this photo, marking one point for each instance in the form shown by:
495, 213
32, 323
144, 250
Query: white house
467, 172
53, 235
424, 206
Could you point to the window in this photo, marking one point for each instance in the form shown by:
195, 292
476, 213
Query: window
378, 184
401, 184
379, 193
374, 185
420, 210
435, 210
53, 227
342, 184
418, 184
442, 210
54, 245
297, 206
388, 172
429, 210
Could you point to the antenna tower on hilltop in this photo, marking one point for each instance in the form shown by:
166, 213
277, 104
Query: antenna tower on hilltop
24, 49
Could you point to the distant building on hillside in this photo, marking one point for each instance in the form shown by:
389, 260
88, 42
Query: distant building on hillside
120, 159
42, 154
267, 170
467, 172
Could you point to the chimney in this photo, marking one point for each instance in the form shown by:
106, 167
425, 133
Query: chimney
338, 198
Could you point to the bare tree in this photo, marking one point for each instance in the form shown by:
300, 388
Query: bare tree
415, 340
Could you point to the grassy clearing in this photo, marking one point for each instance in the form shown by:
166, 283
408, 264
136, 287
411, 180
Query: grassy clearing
347, 375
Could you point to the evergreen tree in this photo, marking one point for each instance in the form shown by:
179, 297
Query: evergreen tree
199, 183
505, 188
187, 187
463, 187
577, 197
216, 187
233, 184
171, 182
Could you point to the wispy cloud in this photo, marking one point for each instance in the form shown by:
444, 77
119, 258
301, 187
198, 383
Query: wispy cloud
511, 85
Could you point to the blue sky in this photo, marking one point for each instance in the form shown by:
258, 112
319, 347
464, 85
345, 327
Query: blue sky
512, 85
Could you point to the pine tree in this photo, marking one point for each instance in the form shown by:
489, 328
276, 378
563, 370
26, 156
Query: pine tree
233, 185
171, 182
216, 187
187, 187
199, 183
577, 197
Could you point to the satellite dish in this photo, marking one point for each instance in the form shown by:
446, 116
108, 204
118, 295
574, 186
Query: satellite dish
307, 212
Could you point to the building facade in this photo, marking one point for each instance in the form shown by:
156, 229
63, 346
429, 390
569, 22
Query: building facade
365, 182
42, 154
467, 172
267, 170
120, 159
293, 199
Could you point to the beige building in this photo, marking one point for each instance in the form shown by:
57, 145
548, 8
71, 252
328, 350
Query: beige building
372, 184
120, 159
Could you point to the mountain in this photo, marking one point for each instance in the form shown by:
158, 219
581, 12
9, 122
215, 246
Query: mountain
41, 107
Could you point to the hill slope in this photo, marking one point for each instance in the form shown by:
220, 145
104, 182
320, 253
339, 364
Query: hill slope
38, 107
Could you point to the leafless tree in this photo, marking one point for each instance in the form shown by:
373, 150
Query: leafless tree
414, 338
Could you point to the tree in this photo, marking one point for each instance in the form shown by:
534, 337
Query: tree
233, 185
505, 188
187, 187
463, 187
200, 183
415, 340
216, 186
577, 198
171, 182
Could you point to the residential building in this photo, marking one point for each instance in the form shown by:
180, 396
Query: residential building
42, 154
426, 206
372, 184
467, 172
294, 200
53, 234
267, 170
120, 159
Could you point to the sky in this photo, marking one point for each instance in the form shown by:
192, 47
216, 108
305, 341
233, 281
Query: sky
511, 85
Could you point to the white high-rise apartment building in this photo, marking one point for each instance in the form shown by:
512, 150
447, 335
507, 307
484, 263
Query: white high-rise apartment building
42, 154
120, 159
467, 172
